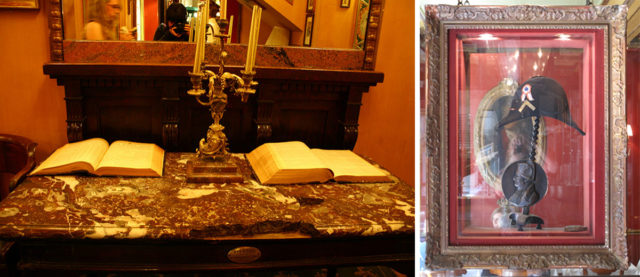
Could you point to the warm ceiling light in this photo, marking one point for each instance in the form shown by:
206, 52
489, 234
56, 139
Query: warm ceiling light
487, 37
564, 37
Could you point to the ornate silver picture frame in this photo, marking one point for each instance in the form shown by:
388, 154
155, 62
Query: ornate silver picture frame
526, 137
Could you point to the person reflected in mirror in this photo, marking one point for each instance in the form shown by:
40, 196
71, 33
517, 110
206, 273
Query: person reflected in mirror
525, 194
103, 23
212, 26
176, 28
518, 143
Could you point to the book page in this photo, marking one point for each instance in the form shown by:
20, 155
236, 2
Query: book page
132, 159
294, 155
287, 163
263, 163
81, 155
349, 167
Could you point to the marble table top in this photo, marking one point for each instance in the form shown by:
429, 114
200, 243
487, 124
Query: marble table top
86, 207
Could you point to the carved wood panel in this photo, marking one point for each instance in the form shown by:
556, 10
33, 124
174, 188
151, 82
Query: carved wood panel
318, 107
129, 109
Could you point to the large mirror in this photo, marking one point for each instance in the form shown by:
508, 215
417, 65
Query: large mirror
318, 24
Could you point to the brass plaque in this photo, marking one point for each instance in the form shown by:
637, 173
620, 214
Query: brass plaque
244, 254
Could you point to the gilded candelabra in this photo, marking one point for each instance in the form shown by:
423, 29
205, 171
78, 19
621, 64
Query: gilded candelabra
213, 163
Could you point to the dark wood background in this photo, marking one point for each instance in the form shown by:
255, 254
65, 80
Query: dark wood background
149, 103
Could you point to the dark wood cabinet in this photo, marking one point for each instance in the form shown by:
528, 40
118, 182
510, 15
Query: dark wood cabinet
149, 103
41, 258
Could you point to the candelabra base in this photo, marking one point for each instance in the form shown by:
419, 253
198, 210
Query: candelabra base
199, 171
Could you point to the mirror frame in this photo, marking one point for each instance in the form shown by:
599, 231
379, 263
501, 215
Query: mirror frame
374, 21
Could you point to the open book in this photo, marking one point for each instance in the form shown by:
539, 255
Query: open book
95, 156
293, 162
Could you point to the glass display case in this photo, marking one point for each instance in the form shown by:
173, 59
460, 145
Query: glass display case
507, 85
526, 137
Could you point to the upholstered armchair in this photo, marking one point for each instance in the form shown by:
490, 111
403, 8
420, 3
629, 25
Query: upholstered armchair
17, 158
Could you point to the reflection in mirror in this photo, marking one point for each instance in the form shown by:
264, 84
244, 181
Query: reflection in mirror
334, 25
103, 22
494, 151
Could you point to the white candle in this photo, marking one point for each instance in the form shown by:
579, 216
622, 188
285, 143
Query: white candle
191, 32
253, 38
223, 9
203, 29
196, 63
230, 32
247, 66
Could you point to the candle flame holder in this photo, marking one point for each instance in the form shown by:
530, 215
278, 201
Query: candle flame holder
212, 163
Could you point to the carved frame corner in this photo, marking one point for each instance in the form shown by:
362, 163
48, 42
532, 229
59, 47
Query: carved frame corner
55, 30
439, 254
374, 22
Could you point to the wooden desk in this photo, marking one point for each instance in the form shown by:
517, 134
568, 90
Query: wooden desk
82, 223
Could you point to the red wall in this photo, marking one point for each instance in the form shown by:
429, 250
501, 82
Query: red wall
386, 131
333, 26
633, 160
31, 104
150, 18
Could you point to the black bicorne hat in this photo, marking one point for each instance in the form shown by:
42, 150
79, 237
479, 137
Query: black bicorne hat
540, 96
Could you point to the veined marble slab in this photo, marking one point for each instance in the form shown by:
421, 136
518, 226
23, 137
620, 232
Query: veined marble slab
172, 53
81, 206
